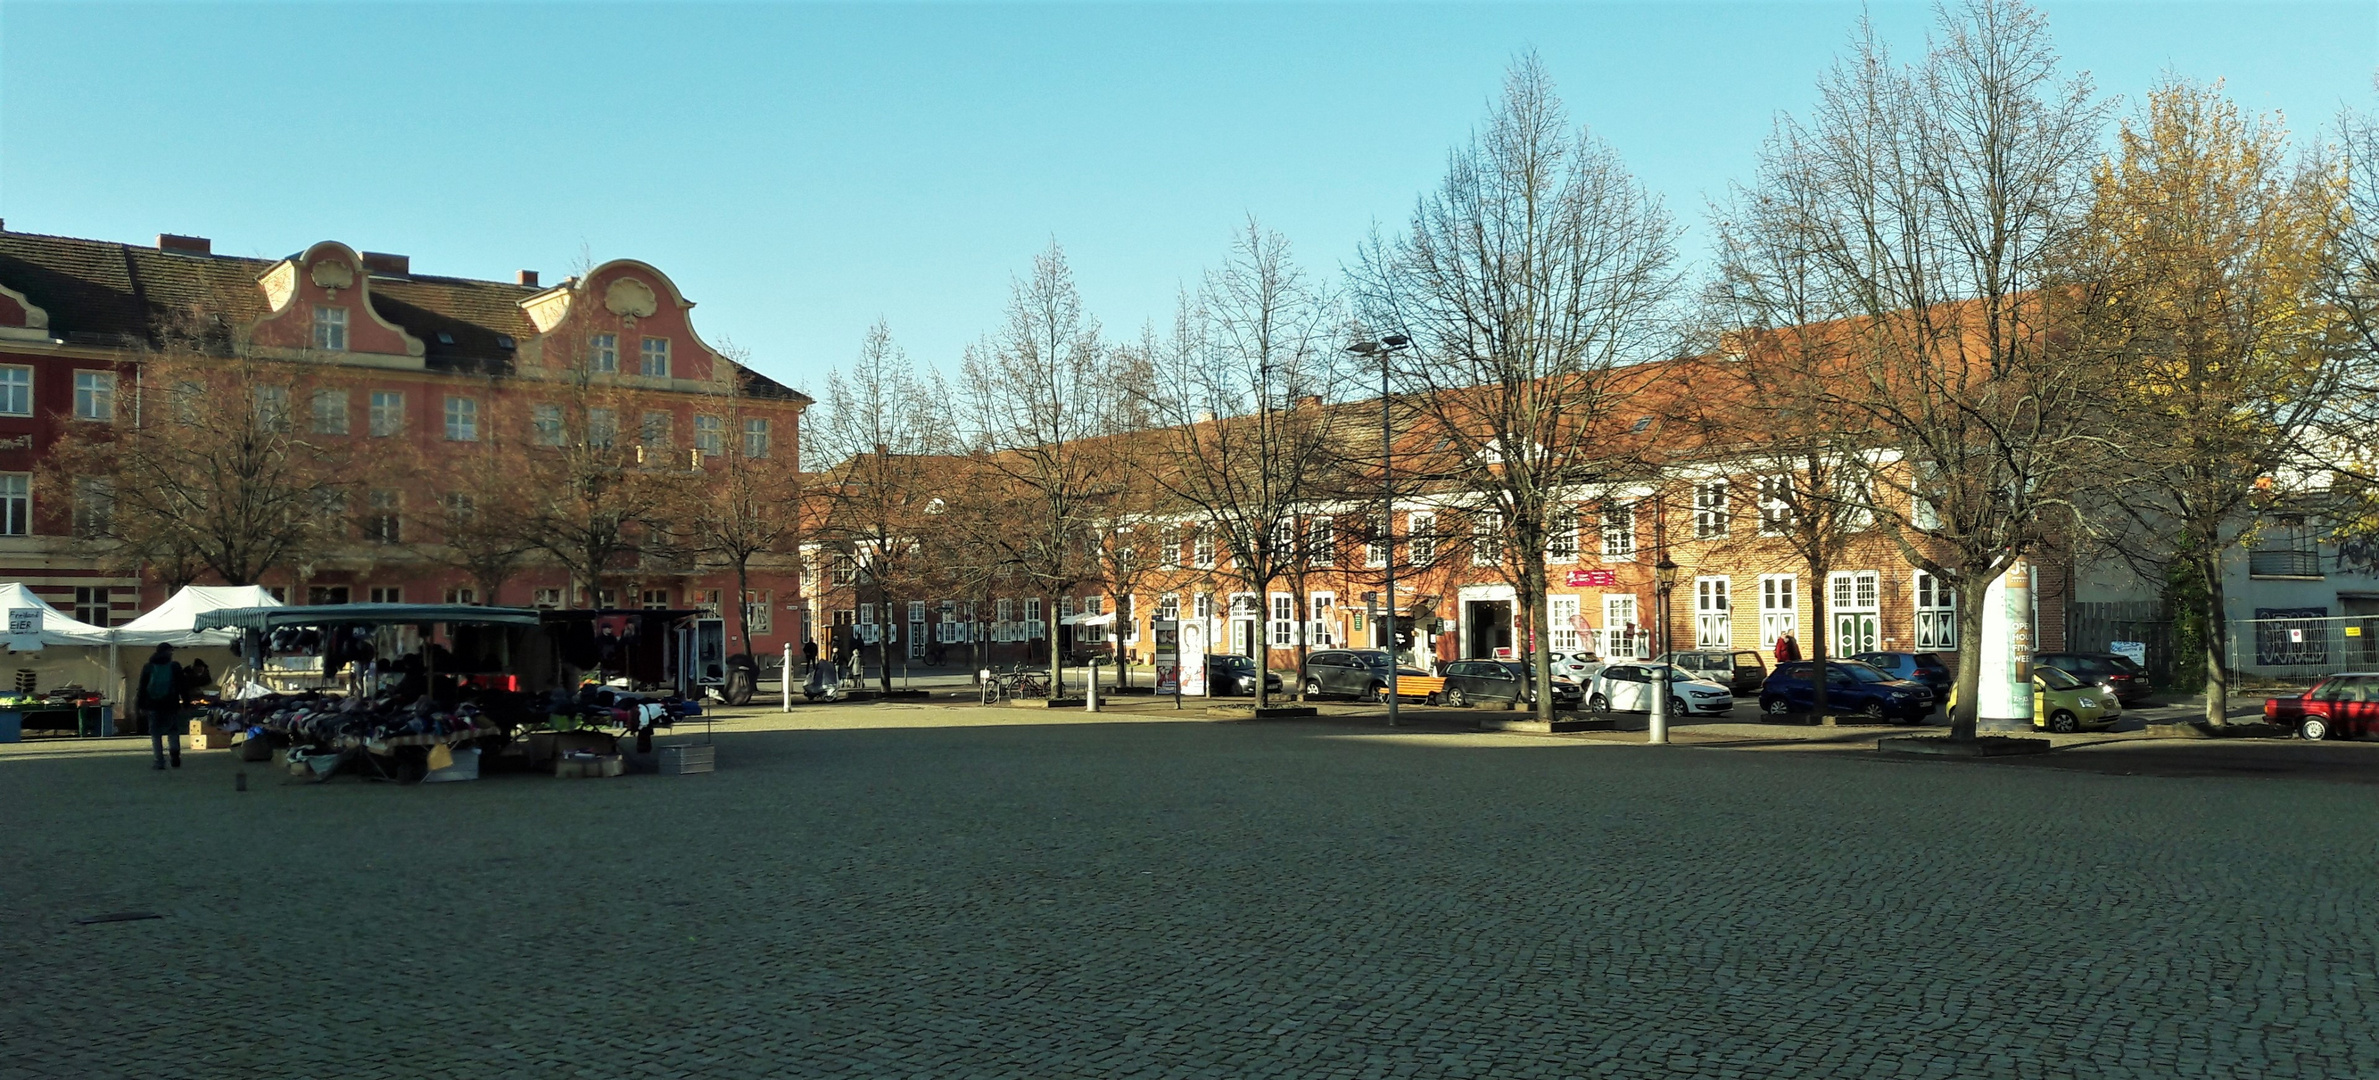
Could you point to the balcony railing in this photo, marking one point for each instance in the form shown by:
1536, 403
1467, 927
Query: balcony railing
2284, 562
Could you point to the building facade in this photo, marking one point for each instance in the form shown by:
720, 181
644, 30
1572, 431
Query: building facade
395, 366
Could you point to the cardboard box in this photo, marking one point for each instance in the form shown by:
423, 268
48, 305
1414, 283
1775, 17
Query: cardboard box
589, 768
204, 736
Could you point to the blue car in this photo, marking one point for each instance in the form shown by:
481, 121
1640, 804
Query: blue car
1923, 667
1852, 688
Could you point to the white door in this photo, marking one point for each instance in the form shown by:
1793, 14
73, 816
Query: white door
1713, 618
1777, 611
1619, 624
1857, 625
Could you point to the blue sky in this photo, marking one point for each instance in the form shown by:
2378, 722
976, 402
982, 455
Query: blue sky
801, 170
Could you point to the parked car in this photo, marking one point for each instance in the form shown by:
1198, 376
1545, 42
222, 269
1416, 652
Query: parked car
1629, 688
1741, 670
2114, 671
1923, 667
2063, 703
1851, 688
1578, 666
1470, 681
1235, 676
1355, 672
2339, 706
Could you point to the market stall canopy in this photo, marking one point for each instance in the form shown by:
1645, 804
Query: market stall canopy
57, 627
1086, 619
173, 622
268, 618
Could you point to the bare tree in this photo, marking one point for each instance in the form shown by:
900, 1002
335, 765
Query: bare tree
1037, 396
747, 508
1535, 270
884, 442
1243, 435
1927, 208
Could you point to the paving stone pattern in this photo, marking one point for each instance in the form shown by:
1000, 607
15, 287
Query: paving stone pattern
928, 892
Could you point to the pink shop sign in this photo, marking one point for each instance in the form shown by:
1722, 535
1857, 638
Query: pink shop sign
1591, 579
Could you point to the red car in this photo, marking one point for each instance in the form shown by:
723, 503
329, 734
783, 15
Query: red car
2344, 706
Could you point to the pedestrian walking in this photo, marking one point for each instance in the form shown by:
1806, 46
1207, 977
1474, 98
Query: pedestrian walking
159, 696
809, 655
1788, 648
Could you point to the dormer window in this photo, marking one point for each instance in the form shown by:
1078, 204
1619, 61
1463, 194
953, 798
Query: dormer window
606, 354
656, 358
330, 328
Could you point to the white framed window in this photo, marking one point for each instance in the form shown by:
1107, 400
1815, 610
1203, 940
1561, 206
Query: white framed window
759, 610
1169, 545
1284, 620
1713, 617
16, 391
603, 353
95, 396
710, 435
545, 425
16, 504
1003, 623
272, 408
1202, 605
93, 604
1168, 607
1561, 538
1321, 542
602, 427
546, 598
652, 360
385, 523
462, 419
330, 412
1420, 538
1376, 546
1033, 627
1622, 638
1284, 541
1127, 616
1322, 626
653, 431
1775, 505
1779, 608
1202, 548
1486, 538
330, 328
1562, 623
1709, 510
461, 594
1936, 614
385, 594
388, 413
94, 513
1619, 532
755, 438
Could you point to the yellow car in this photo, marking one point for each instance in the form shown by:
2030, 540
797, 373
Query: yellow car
2062, 703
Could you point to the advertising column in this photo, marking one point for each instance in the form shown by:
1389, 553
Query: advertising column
2004, 698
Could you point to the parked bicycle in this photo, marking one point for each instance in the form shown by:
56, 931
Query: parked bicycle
1016, 682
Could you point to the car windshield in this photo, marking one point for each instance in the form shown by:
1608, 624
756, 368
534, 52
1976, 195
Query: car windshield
1235, 663
2055, 679
2123, 664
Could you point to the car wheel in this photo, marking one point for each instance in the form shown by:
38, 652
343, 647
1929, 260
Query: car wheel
1456, 698
1678, 707
1776, 707
1379, 692
1313, 688
1434, 699
2314, 729
2064, 723
1873, 710
1598, 704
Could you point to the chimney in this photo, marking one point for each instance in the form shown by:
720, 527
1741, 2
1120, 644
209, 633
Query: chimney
529, 278
185, 245
383, 264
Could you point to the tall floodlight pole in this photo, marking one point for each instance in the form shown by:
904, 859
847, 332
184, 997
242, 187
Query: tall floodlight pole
1385, 348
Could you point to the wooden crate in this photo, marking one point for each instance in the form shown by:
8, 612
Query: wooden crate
589, 768
683, 760
205, 736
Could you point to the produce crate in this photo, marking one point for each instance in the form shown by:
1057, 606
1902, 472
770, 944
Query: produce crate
683, 760
569, 768
206, 736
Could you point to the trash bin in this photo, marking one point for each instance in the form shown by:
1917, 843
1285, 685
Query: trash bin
12, 726
95, 721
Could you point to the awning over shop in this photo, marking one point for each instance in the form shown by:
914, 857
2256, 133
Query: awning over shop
268, 618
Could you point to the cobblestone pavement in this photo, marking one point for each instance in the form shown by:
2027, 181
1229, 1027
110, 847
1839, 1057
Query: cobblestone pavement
937, 892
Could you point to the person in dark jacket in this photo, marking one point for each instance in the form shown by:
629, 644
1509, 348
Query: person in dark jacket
159, 693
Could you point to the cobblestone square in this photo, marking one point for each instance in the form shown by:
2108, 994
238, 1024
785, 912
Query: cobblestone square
923, 891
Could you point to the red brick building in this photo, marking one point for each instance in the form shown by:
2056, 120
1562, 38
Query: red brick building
396, 359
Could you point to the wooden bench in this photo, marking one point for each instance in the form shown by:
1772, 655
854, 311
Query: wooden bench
1419, 686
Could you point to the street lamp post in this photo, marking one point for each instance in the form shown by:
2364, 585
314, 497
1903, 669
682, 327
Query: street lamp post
1385, 348
1664, 578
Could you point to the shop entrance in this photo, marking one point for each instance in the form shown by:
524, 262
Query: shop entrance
1486, 627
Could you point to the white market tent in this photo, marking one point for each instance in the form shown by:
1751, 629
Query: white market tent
170, 622
57, 627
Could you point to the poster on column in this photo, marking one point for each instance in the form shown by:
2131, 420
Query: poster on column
1168, 655
1193, 658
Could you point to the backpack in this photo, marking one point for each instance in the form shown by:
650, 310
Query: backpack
157, 684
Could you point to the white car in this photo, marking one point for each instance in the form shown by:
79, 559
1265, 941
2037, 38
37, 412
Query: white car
1578, 666
1628, 688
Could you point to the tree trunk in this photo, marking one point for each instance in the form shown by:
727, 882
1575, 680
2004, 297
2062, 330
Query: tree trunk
1057, 662
743, 603
1972, 589
885, 640
2216, 637
1818, 571
1300, 624
1533, 598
